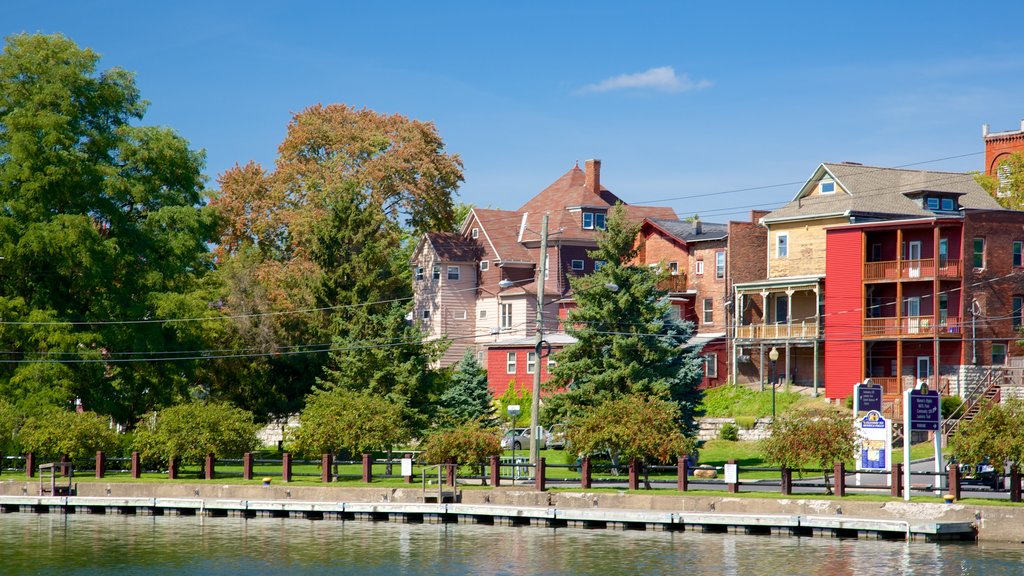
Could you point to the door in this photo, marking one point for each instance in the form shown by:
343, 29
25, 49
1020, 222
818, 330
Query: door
943, 251
912, 311
914, 256
924, 368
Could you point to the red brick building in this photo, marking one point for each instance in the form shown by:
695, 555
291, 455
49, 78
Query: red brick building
999, 146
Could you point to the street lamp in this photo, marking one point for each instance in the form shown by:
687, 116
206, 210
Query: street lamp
774, 357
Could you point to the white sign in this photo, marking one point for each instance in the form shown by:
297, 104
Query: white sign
732, 474
406, 466
513, 409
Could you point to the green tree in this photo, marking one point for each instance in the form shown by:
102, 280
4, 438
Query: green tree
188, 432
1007, 184
513, 397
357, 421
468, 396
101, 222
626, 341
806, 438
57, 432
995, 434
10, 422
469, 443
633, 427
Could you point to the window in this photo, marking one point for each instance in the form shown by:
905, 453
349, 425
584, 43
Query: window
437, 272
876, 252
698, 267
998, 354
947, 204
711, 365
599, 219
483, 314
460, 315
933, 203
1017, 246
598, 264
485, 265
510, 363
577, 264
588, 220
475, 233
551, 364
720, 265
1018, 305
709, 310
453, 272
979, 252
943, 251
826, 187
674, 312
781, 309
673, 267
419, 272
426, 315
506, 316
531, 362
782, 245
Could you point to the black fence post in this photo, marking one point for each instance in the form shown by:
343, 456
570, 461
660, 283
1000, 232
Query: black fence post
539, 475
30, 465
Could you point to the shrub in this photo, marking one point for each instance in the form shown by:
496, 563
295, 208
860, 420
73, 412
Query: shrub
469, 443
950, 405
729, 432
804, 439
745, 422
340, 419
188, 432
77, 434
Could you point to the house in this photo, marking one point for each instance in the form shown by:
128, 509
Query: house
785, 310
999, 146
699, 257
478, 287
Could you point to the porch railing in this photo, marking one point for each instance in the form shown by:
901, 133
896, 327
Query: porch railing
912, 326
674, 283
796, 330
912, 269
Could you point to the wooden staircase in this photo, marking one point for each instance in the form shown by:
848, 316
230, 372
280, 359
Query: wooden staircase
980, 392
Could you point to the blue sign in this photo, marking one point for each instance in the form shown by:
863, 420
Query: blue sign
925, 410
869, 397
874, 442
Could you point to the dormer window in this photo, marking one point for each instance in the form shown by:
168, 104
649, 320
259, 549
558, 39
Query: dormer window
599, 220
933, 203
594, 220
948, 204
588, 220
826, 187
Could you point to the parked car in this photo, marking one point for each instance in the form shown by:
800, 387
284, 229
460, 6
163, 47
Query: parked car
983, 474
556, 437
519, 438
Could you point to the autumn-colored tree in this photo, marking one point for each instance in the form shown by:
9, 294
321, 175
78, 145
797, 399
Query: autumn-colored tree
468, 443
631, 427
803, 438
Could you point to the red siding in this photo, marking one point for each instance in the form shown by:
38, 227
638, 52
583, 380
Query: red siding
843, 312
716, 347
498, 377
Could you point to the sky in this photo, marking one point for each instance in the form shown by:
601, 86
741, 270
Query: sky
711, 108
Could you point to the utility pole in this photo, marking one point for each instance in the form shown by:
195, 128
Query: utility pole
542, 270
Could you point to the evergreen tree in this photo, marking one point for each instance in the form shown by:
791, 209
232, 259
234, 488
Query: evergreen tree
627, 343
468, 397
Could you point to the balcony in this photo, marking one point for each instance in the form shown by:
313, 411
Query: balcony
912, 327
795, 331
912, 269
674, 283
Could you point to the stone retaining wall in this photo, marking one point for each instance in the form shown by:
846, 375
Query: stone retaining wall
711, 427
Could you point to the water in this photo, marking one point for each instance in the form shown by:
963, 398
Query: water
121, 545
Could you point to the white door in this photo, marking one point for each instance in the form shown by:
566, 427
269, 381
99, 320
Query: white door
912, 311
914, 256
924, 367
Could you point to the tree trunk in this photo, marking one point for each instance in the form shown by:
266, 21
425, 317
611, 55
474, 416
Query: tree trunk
828, 487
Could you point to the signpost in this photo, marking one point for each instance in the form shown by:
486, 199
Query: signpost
875, 432
921, 412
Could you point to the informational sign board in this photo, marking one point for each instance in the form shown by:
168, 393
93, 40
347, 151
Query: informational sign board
869, 397
925, 410
732, 473
406, 466
874, 442
513, 410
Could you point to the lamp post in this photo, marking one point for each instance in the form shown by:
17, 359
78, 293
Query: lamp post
774, 357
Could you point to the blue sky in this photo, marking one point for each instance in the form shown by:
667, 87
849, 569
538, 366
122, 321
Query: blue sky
677, 99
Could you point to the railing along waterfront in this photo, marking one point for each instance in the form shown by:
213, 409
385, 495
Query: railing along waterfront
912, 269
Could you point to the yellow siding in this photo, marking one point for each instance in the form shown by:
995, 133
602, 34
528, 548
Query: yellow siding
806, 247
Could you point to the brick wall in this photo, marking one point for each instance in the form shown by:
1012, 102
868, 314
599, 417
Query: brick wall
708, 285
998, 148
748, 245
995, 285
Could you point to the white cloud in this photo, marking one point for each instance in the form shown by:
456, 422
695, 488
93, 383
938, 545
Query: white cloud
663, 79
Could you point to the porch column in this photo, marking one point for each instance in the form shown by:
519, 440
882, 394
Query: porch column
789, 319
760, 367
816, 367
817, 332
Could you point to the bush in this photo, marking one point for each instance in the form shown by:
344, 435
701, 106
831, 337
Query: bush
729, 432
188, 432
950, 405
745, 422
77, 434
469, 443
340, 419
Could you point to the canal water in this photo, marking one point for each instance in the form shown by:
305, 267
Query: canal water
55, 544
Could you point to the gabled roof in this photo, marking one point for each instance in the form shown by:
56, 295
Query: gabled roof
876, 191
451, 247
500, 228
569, 191
685, 231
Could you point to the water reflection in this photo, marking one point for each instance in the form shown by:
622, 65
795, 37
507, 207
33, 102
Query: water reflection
85, 544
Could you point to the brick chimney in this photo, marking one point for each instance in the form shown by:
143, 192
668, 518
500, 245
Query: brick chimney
593, 176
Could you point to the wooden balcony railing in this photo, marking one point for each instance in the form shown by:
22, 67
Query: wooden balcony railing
911, 326
795, 331
674, 283
912, 269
